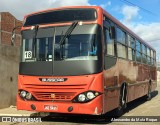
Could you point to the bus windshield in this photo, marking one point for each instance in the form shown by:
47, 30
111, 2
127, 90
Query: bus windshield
82, 44
65, 15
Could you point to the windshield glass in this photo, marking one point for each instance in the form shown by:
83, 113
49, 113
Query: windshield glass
65, 15
80, 45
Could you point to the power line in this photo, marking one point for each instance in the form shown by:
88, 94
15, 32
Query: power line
153, 40
128, 2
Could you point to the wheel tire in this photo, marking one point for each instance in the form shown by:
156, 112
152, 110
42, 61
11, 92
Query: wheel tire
119, 111
149, 96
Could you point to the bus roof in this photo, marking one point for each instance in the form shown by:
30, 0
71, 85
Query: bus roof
104, 12
61, 8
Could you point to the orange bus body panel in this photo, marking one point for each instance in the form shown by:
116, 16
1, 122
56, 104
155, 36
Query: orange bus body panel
70, 88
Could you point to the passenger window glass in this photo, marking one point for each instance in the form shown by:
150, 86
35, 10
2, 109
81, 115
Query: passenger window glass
130, 54
144, 58
121, 51
138, 46
144, 49
149, 60
152, 62
133, 55
148, 52
121, 36
131, 42
155, 62
138, 56
151, 53
154, 55
110, 44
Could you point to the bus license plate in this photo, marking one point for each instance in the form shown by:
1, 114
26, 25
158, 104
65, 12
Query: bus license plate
50, 107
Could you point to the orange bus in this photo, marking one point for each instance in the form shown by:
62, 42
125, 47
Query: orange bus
81, 60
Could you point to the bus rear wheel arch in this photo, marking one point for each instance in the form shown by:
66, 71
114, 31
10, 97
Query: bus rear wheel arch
122, 99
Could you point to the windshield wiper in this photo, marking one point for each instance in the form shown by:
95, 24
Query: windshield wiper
68, 33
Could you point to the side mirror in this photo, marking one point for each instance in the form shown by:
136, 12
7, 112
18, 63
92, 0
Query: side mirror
112, 32
13, 38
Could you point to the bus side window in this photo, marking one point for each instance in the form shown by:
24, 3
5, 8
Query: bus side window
144, 54
110, 43
121, 43
131, 47
138, 51
148, 56
154, 58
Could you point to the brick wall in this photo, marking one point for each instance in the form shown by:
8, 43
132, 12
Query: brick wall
7, 23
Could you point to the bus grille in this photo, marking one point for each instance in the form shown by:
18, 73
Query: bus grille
54, 96
43, 92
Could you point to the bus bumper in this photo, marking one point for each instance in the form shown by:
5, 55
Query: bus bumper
93, 107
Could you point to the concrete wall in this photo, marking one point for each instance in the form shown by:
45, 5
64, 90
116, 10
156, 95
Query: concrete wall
9, 61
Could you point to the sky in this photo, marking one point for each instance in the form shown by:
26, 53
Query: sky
141, 16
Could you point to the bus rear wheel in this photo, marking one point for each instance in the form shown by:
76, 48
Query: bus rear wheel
149, 96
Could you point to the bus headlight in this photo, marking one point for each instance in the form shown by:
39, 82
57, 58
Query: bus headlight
23, 94
28, 96
81, 97
86, 96
90, 95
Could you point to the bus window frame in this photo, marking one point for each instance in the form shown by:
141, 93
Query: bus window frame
111, 24
120, 43
144, 53
133, 49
